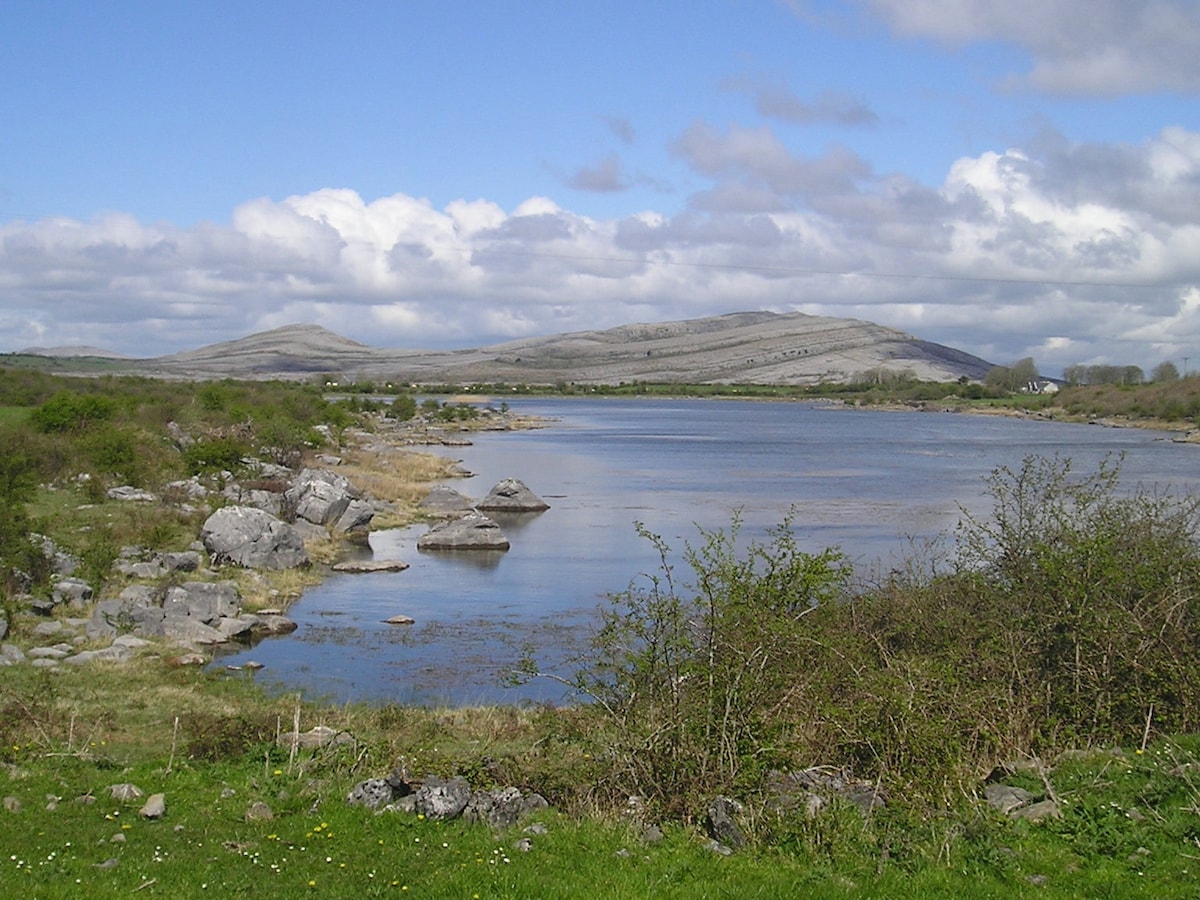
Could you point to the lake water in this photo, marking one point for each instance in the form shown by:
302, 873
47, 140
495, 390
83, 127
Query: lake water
867, 482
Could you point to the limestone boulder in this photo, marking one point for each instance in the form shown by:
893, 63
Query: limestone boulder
512, 495
253, 538
474, 531
445, 501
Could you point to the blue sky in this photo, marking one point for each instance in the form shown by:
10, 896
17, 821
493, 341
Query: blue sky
1018, 179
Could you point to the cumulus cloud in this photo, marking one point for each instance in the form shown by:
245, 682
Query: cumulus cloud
1096, 47
1069, 252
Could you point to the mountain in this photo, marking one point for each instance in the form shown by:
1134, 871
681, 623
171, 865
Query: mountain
748, 347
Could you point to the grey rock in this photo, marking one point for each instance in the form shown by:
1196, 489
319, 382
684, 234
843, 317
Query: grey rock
361, 566
473, 531
155, 807
128, 493
128, 613
11, 654
502, 808
207, 602
445, 501
1006, 798
235, 629
47, 653
73, 591
438, 799
182, 561
372, 793
319, 496
125, 792
12, 804
718, 848
191, 632
61, 562
181, 438
315, 738
253, 538
259, 812
265, 624
1038, 812
46, 629
512, 495
721, 825
192, 489
356, 518
815, 787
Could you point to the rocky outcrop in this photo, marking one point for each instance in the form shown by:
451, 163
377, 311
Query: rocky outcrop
196, 614
512, 495
326, 498
474, 531
253, 538
138, 563
437, 798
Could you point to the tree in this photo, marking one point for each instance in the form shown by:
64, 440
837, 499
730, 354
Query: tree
1024, 372
1165, 373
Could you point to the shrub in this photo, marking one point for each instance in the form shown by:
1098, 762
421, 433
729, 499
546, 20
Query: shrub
696, 677
1100, 591
217, 454
67, 411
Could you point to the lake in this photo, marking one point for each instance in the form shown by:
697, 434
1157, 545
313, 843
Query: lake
867, 482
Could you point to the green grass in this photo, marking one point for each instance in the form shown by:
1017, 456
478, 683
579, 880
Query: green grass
1130, 823
14, 415
64, 837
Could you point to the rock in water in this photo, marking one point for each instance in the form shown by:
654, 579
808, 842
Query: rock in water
512, 495
471, 532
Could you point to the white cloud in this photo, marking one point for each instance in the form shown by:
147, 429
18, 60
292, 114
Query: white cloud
1066, 252
1097, 47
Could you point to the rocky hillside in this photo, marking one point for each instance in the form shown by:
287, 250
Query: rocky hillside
753, 347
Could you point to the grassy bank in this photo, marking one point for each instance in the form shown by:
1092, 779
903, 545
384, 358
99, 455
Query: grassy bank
1128, 827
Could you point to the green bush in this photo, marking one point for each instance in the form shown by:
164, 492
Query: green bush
114, 451
695, 678
218, 454
67, 411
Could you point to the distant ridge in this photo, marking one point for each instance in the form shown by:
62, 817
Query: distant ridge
71, 352
737, 348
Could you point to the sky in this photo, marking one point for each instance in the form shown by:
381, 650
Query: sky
1017, 179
